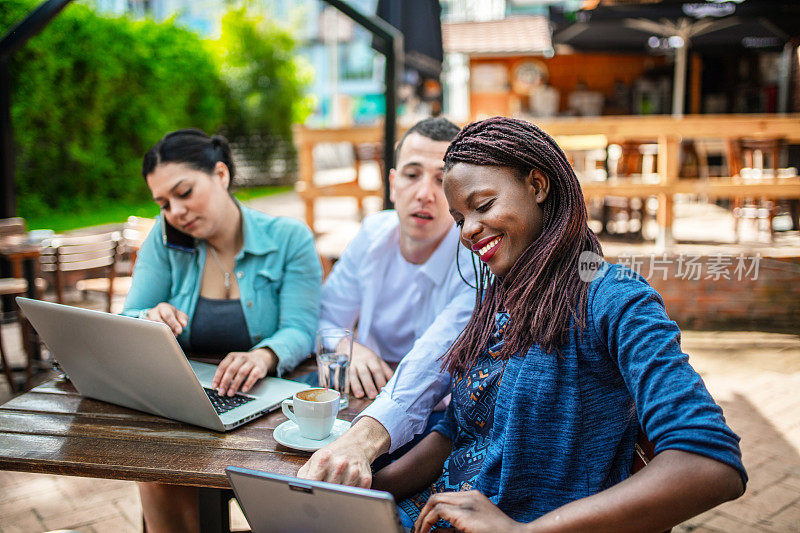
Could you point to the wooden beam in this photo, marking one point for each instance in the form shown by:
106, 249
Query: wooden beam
696, 84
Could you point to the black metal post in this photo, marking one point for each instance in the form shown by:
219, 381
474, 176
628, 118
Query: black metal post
393, 62
12, 41
390, 42
8, 205
213, 508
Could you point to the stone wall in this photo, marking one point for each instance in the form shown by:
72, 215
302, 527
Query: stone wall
724, 290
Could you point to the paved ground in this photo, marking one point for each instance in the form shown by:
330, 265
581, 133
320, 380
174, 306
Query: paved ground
754, 375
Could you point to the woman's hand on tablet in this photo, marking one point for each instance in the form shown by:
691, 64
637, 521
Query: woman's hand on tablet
169, 315
243, 369
470, 512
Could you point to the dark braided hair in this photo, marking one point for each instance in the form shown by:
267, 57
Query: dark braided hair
542, 292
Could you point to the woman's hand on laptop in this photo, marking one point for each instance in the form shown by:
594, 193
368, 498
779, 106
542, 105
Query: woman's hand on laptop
169, 315
243, 369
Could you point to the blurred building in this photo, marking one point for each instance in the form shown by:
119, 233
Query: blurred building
348, 82
499, 58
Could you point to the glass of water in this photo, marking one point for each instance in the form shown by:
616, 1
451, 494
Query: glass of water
334, 350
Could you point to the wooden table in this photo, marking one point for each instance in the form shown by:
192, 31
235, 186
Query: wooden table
53, 430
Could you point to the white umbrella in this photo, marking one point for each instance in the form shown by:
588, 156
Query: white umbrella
680, 34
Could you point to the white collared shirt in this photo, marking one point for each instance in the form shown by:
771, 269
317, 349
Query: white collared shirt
354, 293
393, 330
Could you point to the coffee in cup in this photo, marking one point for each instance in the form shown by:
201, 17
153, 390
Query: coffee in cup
313, 410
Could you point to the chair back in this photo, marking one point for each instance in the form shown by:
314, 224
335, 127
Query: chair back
134, 233
12, 226
86, 253
363, 152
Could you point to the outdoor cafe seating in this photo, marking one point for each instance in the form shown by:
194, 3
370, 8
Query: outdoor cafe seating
90, 262
747, 160
133, 234
647, 162
64, 257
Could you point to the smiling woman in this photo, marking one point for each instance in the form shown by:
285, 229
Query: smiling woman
255, 302
554, 376
502, 216
521, 190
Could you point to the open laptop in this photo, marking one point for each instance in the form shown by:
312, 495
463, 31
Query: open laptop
139, 364
283, 504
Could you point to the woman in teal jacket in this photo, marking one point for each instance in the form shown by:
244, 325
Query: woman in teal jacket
228, 280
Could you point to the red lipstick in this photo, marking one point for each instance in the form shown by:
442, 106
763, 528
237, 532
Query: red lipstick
488, 254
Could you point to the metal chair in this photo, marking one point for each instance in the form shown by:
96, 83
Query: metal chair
67, 257
134, 232
12, 226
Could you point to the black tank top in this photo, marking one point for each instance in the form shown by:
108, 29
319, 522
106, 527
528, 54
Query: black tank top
219, 327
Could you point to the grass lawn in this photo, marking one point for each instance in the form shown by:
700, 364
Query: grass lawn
59, 221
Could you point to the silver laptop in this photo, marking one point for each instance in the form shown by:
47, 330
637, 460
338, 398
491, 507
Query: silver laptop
139, 364
283, 504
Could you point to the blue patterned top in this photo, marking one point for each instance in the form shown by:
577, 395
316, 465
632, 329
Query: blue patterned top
563, 426
471, 414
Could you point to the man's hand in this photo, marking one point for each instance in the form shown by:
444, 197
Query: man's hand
169, 315
243, 368
347, 460
368, 372
470, 512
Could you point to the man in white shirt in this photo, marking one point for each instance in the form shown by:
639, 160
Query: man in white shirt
400, 280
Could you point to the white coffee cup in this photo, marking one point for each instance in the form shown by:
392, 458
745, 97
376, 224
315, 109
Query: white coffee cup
313, 410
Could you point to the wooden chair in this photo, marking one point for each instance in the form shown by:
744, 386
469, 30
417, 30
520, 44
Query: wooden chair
362, 153
637, 161
134, 232
16, 228
752, 154
67, 257
10, 287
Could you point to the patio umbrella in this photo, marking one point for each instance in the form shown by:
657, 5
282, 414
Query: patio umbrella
419, 21
742, 24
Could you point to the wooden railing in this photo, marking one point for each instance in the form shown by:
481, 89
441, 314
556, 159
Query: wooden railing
573, 133
306, 138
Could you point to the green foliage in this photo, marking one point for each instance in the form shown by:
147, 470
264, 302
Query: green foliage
265, 79
266, 84
91, 93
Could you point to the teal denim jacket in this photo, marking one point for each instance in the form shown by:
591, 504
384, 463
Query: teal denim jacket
279, 278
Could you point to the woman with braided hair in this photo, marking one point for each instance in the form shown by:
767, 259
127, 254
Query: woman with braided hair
564, 361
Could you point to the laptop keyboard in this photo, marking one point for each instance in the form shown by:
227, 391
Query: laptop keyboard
223, 404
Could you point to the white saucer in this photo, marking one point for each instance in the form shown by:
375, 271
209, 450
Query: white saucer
289, 435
